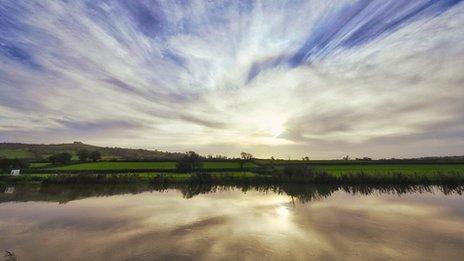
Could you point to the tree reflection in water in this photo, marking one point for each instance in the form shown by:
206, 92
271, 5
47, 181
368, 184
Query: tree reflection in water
302, 193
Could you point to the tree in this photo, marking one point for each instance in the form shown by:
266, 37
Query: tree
346, 157
6, 165
189, 162
60, 158
83, 154
64, 158
52, 159
245, 157
306, 158
95, 155
220, 157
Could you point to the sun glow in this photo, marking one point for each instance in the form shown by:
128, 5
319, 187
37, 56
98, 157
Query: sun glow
273, 126
263, 129
283, 212
276, 130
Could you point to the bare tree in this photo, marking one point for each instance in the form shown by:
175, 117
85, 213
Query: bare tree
245, 157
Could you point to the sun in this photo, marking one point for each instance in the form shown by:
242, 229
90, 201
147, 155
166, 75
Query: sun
273, 126
276, 130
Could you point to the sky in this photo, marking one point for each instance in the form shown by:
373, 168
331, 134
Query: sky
317, 78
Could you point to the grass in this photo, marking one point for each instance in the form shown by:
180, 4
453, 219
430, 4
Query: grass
408, 169
117, 166
311, 175
37, 165
149, 177
292, 175
42, 151
168, 165
333, 169
15, 153
227, 172
226, 165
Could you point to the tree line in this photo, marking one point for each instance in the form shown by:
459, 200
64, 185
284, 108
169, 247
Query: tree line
83, 155
192, 161
6, 165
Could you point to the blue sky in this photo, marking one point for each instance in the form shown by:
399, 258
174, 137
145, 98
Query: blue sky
283, 78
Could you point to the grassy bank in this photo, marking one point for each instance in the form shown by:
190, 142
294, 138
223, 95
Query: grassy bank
291, 174
409, 169
127, 166
109, 167
230, 172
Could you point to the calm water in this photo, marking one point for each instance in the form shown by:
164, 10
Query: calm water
224, 223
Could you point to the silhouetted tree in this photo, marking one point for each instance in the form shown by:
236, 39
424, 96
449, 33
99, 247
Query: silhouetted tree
244, 158
7, 165
189, 162
52, 159
95, 155
60, 158
220, 157
83, 154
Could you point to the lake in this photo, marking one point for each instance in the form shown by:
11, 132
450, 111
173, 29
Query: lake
201, 222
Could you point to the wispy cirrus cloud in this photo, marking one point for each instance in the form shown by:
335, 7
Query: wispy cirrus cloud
381, 78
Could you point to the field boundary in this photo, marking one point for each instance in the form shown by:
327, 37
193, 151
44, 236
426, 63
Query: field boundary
110, 171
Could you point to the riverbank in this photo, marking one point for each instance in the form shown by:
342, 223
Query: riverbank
297, 175
332, 167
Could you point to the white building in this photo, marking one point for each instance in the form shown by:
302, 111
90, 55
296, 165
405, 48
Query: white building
9, 190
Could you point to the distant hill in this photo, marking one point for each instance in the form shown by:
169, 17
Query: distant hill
40, 152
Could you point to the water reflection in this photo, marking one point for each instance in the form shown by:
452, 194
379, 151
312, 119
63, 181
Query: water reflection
229, 223
302, 193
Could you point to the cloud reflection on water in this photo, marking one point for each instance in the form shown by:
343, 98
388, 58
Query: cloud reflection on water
230, 224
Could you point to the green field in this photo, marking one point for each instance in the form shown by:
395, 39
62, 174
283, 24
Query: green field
242, 177
168, 165
36, 165
15, 153
229, 172
392, 168
335, 169
117, 166
126, 178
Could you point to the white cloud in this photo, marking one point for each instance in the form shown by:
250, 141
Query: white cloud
281, 78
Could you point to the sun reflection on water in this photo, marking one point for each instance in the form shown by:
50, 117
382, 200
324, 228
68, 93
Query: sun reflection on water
234, 225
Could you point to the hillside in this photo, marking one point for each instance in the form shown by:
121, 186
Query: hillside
38, 152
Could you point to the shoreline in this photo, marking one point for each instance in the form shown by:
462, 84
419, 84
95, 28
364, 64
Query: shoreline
63, 193
231, 178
